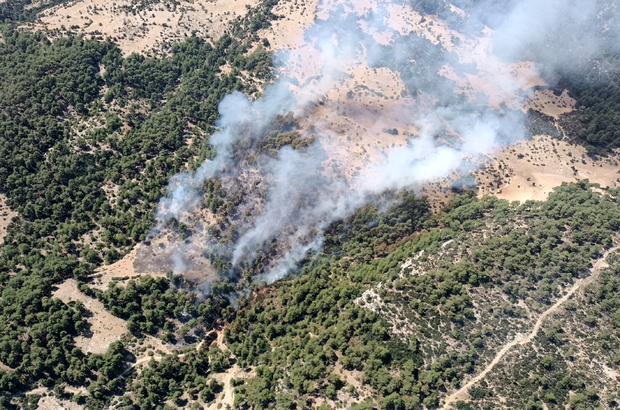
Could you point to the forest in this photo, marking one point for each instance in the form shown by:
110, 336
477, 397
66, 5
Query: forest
399, 307
306, 327
76, 118
596, 122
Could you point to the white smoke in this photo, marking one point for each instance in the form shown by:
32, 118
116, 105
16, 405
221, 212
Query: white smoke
240, 118
302, 199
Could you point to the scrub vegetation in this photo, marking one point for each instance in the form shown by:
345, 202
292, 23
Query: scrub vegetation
400, 309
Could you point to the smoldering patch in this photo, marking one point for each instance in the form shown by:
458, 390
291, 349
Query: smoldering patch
374, 97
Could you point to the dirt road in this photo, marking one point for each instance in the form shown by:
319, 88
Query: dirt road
461, 393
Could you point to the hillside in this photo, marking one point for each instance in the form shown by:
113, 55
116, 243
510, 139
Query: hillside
291, 204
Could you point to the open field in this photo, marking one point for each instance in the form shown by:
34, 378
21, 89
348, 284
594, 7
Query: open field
118, 271
139, 27
531, 169
125, 269
53, 403
361, 119
550, 104
5, 216
295, 17
105, 328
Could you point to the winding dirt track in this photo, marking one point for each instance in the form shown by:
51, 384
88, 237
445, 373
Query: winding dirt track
461, 393
158, 358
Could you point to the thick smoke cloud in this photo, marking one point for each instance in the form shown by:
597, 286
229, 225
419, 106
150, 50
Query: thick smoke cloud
240, 118
302, 198
560, 35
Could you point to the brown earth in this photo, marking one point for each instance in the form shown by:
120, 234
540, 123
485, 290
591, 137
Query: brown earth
295, 17
118, 271
139, 262
53, 403
550, 104
166, 253
104, 327
142, 30
361, 118
6, 215
531, 169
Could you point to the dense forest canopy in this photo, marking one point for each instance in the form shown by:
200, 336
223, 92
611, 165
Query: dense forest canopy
78, 117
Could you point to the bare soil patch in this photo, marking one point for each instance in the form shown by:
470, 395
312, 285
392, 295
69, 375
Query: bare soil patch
118, 271
295, 17
53, 403
132, 266
105, 328
142, 29
361, 118
551, 104
530, 169
6, 215
166, 253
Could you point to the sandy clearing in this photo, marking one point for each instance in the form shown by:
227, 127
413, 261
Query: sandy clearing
148, 29
116, 271
105, 328
360, 118
227, 396
52, 403
295, 17
4, 367
503, 84
49, 400
6, 215
610, 373
550, 104
123, 270
36, 3
531, 169
168, 254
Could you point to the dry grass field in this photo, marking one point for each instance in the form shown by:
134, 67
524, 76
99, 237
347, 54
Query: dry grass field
6, 215
144, 29
105, 328
529, 170
357, 109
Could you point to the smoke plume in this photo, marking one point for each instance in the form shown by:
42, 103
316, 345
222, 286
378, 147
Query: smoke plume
300, 195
